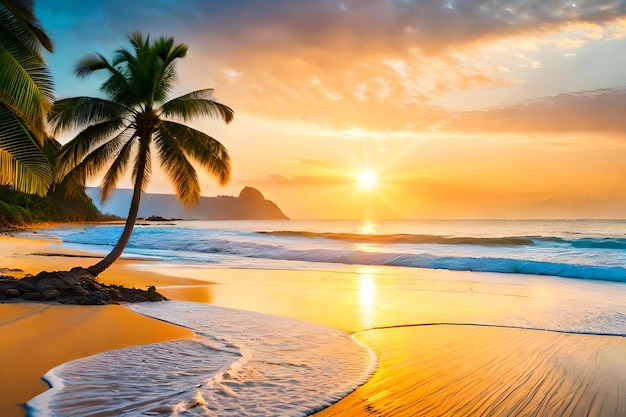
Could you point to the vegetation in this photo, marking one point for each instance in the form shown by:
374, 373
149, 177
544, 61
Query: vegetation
26, 95
132, 123
19, 209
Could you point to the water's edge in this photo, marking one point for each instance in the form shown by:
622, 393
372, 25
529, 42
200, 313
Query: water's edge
242, 363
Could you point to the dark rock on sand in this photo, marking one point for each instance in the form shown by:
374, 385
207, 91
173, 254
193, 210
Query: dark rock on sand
77, 286
11, 293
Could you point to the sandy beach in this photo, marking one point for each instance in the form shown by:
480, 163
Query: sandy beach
431, 361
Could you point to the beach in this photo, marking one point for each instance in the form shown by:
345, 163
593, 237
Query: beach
446, 342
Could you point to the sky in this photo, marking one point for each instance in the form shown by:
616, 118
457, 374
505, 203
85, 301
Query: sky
460, 108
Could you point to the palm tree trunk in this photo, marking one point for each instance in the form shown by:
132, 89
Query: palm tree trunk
119, 247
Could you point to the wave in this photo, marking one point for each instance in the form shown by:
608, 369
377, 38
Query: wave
402, 238
407, 238
515, 266
595, 258
484, 264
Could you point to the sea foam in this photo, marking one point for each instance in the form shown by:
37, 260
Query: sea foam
241, 364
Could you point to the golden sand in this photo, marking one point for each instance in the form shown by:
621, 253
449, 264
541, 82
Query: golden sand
38, 337
483, 371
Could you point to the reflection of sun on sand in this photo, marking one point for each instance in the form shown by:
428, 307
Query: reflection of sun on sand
423, 370
474, 371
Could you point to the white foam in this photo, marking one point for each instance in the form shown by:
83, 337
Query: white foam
242, 364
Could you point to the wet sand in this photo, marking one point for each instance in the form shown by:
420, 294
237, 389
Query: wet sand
477, 371
438, 369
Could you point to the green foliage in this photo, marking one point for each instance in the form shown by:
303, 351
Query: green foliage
122, 131
26, 94
20, 209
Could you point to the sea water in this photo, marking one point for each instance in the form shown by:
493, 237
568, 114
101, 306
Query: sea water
583, 249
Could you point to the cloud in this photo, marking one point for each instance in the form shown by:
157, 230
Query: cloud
353, 63
364, 25
377, 64
588, 111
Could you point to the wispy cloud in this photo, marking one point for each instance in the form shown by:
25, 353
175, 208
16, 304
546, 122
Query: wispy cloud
375, 64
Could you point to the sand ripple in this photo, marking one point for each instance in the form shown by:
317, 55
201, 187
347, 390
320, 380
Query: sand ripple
448, 370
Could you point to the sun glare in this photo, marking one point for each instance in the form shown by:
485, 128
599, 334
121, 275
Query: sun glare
368, 180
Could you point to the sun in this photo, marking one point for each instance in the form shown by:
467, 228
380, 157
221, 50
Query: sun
367, 180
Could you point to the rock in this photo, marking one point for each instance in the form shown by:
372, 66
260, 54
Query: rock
50, 294
139, 298
25, 286
153, 295
31, 296
77, 286
50, 283
92, 301
12, 293
89, 283
250, 194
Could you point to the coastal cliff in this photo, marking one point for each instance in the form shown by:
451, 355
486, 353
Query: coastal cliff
249, 205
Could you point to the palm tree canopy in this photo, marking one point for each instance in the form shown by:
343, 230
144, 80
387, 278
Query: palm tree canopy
34, 36
26, 95
137, 118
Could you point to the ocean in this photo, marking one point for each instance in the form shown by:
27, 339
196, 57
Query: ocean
562, 276
582, 249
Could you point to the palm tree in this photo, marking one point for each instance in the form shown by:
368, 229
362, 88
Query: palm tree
26, 95
131, 124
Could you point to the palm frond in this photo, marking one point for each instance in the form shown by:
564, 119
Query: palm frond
25, 85
93, 163
23, 164
20, 43
90, 64
177, 167
143, 164
73, 152
77, 112
22, 12
165, 49
51, 149
204, 149
116, 170
195, 104
138, 41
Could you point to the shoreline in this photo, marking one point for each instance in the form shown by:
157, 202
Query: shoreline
412, 361
38, 337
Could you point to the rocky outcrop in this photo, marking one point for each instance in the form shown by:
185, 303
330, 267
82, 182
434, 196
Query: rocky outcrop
249, 205
77, 286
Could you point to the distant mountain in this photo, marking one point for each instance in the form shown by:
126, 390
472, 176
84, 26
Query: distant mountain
249, 205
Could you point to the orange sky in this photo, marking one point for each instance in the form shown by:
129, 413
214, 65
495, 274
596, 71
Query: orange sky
465, 109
